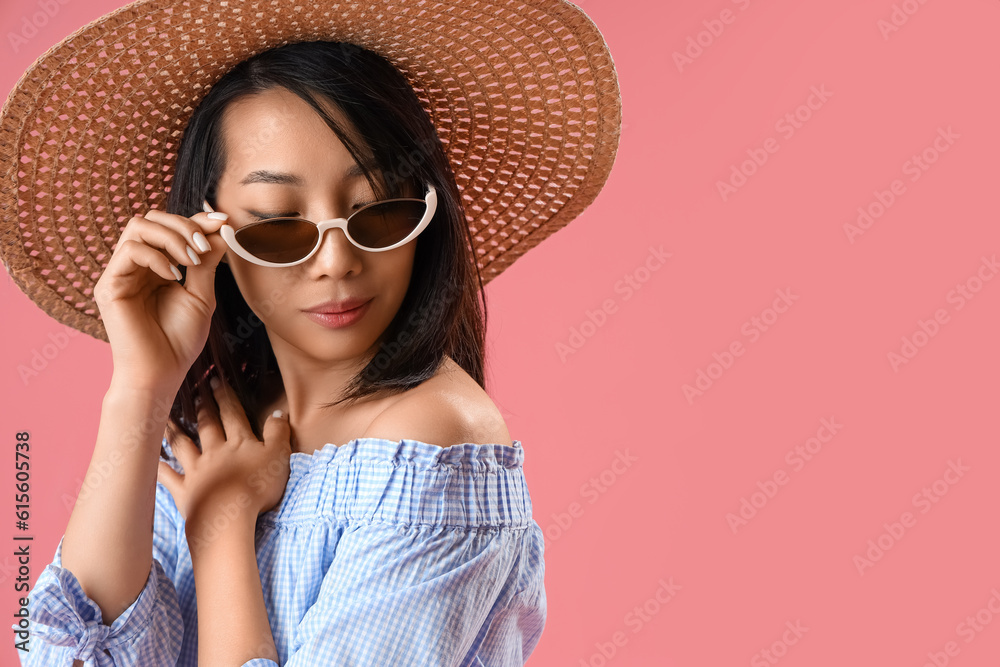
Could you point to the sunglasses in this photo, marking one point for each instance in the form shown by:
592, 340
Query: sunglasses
376, 227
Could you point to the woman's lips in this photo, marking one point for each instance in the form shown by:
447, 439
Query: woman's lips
339, 320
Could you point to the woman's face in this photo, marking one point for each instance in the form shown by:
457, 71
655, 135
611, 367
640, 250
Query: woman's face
283, 159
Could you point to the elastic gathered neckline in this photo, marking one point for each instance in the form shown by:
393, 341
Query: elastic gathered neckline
406, 482
415, 452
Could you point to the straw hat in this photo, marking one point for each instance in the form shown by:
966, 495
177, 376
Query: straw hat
523, 94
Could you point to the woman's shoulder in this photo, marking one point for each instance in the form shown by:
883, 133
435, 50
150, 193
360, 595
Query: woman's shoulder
448, 409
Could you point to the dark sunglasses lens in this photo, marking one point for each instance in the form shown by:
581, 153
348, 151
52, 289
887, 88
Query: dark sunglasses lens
279, 240
386, 223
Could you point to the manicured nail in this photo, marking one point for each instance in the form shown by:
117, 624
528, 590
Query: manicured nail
201, 242
218, 216
176, 272
278, 414
214, 381
193, 255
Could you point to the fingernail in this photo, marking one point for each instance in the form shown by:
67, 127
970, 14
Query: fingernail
201, 242
278, 414
193, 255
218, 216
176, 272
197, 401
214, 381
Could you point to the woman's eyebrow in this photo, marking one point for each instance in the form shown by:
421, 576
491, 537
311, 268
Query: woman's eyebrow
282, 178
265, 176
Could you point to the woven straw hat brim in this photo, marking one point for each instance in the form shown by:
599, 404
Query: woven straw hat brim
523, 94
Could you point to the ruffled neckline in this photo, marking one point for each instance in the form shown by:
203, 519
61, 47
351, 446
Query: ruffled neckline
414, 452
477, 468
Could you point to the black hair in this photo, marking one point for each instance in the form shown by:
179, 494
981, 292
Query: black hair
393, 140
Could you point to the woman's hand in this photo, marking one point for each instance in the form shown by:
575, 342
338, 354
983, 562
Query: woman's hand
235, 475
156, 326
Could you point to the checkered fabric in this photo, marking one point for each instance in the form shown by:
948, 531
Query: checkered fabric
380, 553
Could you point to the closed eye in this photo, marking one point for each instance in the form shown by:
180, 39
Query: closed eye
269, 216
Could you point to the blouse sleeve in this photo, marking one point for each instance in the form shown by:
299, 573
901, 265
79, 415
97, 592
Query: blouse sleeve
415, 594
64, 624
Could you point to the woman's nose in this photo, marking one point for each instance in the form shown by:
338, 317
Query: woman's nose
336, 254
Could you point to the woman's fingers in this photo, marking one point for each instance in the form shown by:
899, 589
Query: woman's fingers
163, 241
200, 280
210, 430
200, 232
142, 245
169, 478
199, 222
277, 431
184, 449
139, 255
234, 420
277, 451
190, 231
166, 238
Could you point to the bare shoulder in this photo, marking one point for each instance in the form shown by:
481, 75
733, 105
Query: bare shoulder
449, 409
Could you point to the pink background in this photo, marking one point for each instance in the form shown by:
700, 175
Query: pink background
644, 564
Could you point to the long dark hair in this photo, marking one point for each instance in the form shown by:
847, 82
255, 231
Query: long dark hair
441, 312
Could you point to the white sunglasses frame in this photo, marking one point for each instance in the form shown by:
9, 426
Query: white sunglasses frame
430, 199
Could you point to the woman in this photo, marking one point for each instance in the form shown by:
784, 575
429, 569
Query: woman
338, 486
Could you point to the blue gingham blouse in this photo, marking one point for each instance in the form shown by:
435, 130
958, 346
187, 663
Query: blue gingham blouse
381, 552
